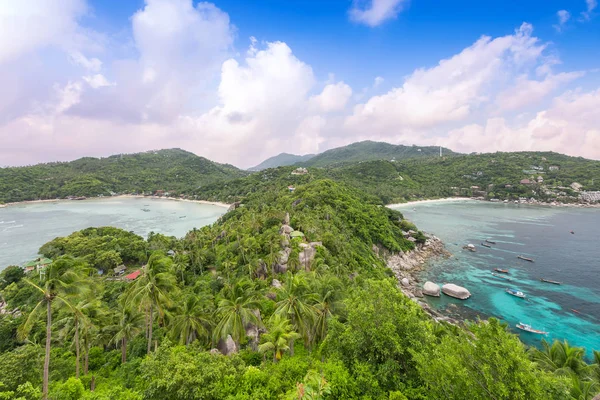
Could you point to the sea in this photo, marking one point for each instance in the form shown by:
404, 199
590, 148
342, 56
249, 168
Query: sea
568, 311
24, 228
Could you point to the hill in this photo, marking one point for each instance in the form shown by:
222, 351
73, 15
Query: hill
172, 170
369, 150
281, 160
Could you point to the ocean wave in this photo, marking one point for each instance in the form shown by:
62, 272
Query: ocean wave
7, 222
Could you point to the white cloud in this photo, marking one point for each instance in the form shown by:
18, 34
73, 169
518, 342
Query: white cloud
563, 17
334, 97
590, 7
90, 64
97, 81
378, 81
454, 89
375, 12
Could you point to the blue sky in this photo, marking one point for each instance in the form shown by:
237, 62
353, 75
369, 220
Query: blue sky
239, 81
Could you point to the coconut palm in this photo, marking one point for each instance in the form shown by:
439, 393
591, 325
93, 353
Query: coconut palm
328, 302
153, 290
192, 319
128, 326
295, 302
560, 357
236, 310
278, 338
61, 280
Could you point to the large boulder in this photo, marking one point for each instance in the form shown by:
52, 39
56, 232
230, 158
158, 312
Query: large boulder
405, 282
276, 284
284, 255
306, 256
227, 346
431, 289
286, 229
456, 291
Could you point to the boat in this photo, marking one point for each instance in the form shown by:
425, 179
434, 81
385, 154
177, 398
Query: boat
550, 281
516, 293
572, 233
528, 328
525, 258
183, 216
489, 241
502, 271
145, 210
485, 245
502, 277
575, 311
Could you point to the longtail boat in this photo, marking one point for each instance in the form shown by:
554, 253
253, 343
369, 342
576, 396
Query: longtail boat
502, 271
502, 277
528, 328
550, 281
489, 241
525, 258
485, 245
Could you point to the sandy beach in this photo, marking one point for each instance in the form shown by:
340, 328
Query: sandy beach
213, 203
444, 200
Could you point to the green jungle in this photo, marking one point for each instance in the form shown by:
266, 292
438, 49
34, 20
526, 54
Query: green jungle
287, 296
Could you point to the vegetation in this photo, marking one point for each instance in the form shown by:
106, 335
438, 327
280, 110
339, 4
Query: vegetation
175, 171
314, 317
281, 160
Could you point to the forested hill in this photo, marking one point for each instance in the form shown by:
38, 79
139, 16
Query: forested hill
369, 150
172, 170
292, 288
493, 175
281, 160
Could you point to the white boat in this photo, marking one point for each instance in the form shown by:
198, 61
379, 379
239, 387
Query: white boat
528, 328
516, 293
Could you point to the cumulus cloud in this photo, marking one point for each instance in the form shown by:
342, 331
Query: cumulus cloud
563, 17
334, 97
375, 12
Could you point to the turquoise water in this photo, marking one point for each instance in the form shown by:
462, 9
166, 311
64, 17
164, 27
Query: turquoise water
26, 227
540, 233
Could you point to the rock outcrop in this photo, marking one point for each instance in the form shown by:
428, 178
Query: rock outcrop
405, 282
276, 284
459, 292
431, 289
227, 346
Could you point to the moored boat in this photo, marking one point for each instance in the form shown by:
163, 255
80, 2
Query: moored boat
516, 293
528, 328
470, 247
550, 281
502, 271
485, 245
525, 258
502, 277
489, 241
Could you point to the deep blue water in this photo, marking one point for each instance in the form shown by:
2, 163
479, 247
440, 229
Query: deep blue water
540, 233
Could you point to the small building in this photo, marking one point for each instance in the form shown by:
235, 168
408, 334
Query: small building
120, 270
133, 276
300, 171
540, 179
554, 168
475, 187
526, 182
576, 186
508, 186
291, 188
171, 253
296, 234
37, 264
159, 193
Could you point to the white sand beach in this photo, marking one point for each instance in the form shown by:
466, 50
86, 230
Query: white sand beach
444, 200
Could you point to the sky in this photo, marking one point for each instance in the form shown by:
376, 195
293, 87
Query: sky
237, 81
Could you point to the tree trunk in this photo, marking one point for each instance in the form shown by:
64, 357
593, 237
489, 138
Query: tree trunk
48, 340
77, 358
150, 330
123, 351
275, 357
292, 347
86, 361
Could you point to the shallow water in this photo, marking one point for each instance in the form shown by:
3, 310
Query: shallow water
540, 233
26, 227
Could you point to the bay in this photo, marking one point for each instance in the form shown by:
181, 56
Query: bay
26, 227
569, 311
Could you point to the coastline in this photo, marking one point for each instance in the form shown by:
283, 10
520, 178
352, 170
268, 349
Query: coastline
213, 203
442, 200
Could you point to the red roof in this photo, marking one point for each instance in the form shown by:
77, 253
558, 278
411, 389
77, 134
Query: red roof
133, 275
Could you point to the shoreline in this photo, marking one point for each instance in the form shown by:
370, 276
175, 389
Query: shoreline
524, 203
442, 200
132, 196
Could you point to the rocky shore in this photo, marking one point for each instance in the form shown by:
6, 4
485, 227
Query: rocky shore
407, 266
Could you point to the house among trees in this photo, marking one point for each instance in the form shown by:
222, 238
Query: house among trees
526, 182
554, 168
291, 188
37, 264
300, 171
120, 270
540, 179
133, 276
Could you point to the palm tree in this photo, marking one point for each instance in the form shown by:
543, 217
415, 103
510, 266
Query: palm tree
236, 310
63, 278
279, 336
154, 289
328, 302
129, 325
560, 357
295, 302
192, 319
